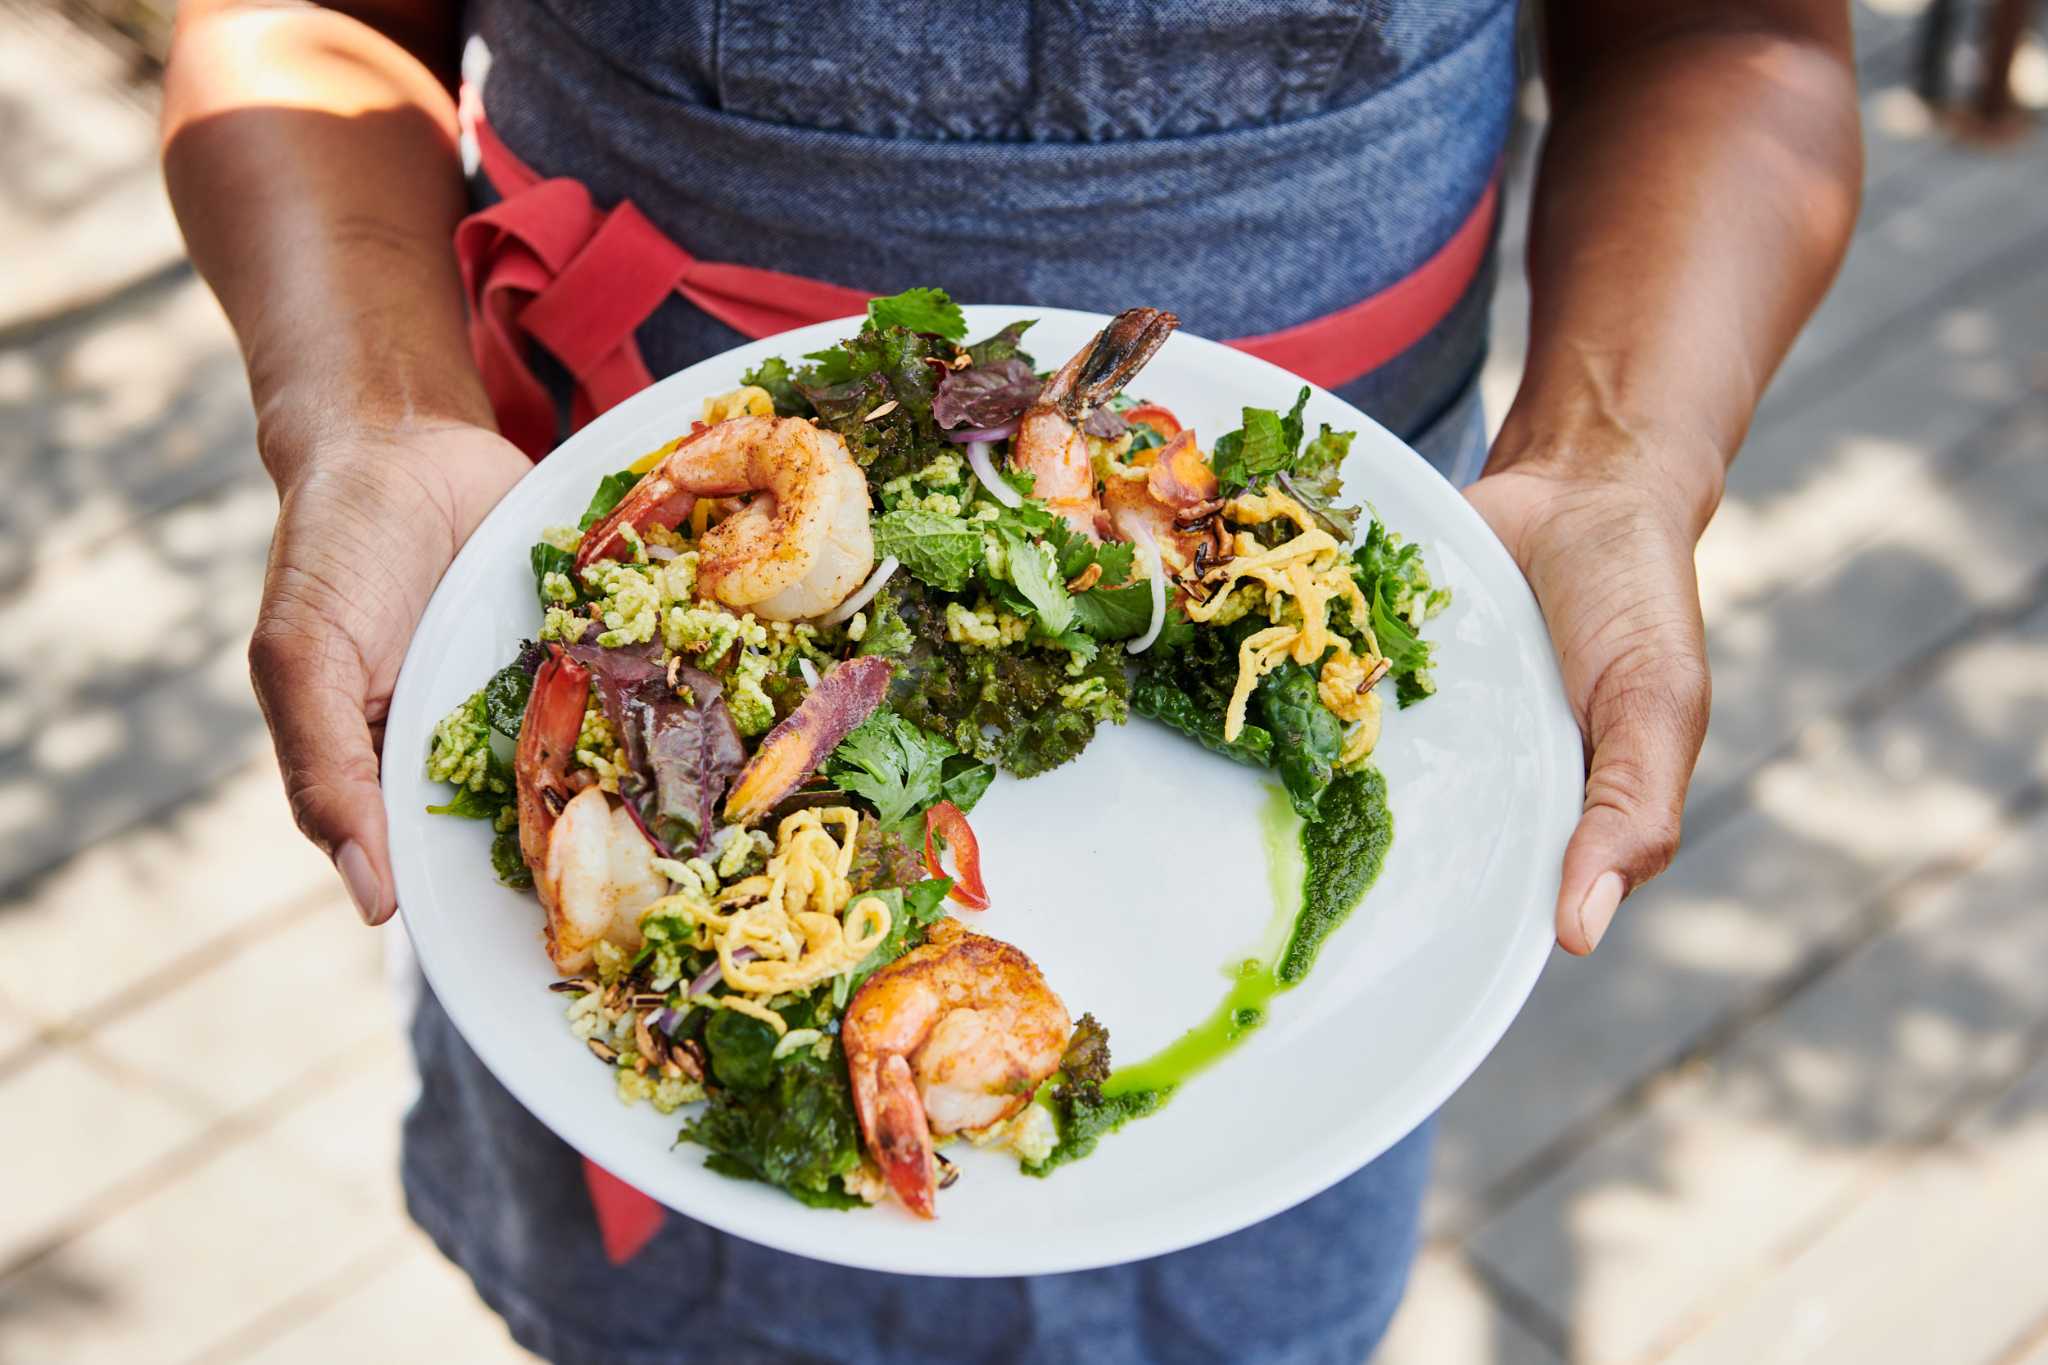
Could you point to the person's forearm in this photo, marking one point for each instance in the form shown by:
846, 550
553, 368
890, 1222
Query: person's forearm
312, 163
1697, 190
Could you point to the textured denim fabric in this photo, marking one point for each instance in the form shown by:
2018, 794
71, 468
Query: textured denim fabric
1101, 191
505, 1199
1248, 163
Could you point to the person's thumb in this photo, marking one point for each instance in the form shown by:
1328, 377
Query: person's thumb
313, 688
1644, 723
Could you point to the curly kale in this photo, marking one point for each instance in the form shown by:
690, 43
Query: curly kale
788, 1122
1401, 597
1084, 1111
1027, 709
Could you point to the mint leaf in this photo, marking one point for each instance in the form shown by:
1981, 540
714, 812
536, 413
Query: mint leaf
920, 310
941, 550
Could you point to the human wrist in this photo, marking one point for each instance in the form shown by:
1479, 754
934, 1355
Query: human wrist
1679, 468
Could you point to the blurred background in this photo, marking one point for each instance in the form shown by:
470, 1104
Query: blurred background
1795, 1110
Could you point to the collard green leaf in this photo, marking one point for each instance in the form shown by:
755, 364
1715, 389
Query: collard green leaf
966, 781
611, 490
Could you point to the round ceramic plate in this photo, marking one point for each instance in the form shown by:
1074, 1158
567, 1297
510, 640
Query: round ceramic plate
1134, 876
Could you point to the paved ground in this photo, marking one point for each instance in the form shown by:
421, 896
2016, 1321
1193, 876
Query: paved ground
1796, 1109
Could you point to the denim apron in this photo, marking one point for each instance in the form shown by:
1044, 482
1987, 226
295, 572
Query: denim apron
1248, 164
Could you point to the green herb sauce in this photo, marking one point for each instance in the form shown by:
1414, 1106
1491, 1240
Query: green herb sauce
1319, 873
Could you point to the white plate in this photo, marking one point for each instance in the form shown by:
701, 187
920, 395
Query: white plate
1132, 876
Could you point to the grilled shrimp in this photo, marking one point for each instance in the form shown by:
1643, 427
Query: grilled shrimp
591, 865
1049, 444
954, 1035
1169, 494
796, 550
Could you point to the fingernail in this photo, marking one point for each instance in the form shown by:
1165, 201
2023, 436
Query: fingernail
1596, 911
354, 866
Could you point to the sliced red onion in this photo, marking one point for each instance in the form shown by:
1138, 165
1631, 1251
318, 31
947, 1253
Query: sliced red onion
984, 469
845, 610
715, 973
969, 435
1155, 574
808, 669
662, 552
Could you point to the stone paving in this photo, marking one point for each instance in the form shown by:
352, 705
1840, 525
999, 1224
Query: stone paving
1796, 1109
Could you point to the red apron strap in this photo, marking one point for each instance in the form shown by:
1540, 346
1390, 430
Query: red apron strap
1339, 347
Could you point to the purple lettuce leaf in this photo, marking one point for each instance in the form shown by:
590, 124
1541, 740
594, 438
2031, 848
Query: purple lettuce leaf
694, 749
986, 395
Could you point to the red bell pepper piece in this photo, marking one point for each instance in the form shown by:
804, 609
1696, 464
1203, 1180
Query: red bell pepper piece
1155, 417
949, 824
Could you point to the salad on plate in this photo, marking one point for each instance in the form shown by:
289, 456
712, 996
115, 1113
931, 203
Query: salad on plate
778, 660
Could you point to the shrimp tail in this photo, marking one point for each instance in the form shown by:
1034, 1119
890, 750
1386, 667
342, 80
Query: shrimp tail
1109, 362
547, 741
658, 497
902, 1139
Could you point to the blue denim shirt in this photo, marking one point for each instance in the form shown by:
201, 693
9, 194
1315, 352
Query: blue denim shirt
1249, 164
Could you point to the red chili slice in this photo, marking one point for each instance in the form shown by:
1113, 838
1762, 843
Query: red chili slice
946, 820
1155, 417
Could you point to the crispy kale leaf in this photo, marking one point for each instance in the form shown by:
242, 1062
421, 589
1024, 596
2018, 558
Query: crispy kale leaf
795, 1129
773, 376
1397, 588
1081, 1108
1307, 739
859, 378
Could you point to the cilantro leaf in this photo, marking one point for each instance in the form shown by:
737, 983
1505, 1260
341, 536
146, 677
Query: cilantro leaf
943, 551
1114, 613
898, 767
1033, 571
920, 310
